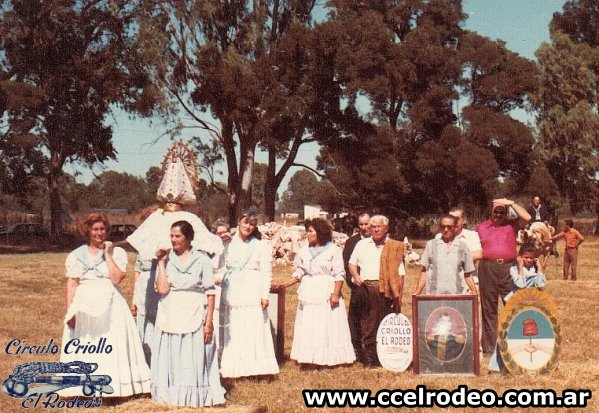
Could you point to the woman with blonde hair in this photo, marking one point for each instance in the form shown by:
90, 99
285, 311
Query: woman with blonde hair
98, 314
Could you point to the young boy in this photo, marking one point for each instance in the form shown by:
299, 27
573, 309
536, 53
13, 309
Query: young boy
525, 274
573, 240
529, 276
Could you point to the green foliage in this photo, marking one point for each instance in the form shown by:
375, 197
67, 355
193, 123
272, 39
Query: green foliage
579, 20
212, 201
152, 181
78, 58
303, 189
567, 105
541, 183
241, 62
393, 143
113, 189
495, 77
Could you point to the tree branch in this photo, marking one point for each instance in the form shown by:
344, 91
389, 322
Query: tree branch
204, 124
301, 165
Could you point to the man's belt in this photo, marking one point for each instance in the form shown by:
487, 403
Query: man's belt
500, 260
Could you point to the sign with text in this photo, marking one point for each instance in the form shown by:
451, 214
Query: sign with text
394, 342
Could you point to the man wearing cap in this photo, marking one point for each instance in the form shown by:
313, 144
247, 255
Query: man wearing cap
377, 269
498, 241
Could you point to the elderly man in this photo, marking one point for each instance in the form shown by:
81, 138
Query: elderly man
498, 240
447, 265
468, 237
354, 306
377, 269
537, 211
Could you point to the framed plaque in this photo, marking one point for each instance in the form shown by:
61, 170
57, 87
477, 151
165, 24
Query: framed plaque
446, 334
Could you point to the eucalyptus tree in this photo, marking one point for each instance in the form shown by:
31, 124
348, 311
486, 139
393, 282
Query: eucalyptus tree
397, 71
236, 69
78, 58
568, 102
568, 119
423, 113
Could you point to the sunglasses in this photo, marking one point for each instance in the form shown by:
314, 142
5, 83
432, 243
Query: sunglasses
499, 212
447, 226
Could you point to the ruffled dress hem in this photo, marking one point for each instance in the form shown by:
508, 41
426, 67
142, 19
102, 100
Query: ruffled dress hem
188, 396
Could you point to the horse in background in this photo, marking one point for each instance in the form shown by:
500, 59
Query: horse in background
538, 235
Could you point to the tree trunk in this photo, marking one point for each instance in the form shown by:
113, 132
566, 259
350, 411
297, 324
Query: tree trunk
56, 227
273, 178
233, 174
270, 185
246, 169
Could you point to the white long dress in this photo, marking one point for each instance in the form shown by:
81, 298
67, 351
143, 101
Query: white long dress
321, 334
246, 342
102, 313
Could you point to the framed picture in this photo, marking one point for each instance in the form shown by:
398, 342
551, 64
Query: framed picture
445, 334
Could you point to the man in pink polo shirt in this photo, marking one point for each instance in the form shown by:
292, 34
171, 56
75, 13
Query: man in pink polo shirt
498, 241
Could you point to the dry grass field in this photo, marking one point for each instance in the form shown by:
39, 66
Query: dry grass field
32, 294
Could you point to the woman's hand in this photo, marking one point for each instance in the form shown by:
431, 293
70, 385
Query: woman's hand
133, 309
264, 304
208, 332
108, 247
277, 287
162, 253
334, 300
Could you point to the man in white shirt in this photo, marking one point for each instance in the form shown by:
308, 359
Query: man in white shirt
364, 268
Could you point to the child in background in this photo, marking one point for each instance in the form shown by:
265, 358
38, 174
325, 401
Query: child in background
573, 240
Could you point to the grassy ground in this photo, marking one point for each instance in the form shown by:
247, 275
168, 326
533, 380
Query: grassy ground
32, 294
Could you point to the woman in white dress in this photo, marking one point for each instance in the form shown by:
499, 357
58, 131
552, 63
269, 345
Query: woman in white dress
321, 335
97, 313
184, 364
247, 347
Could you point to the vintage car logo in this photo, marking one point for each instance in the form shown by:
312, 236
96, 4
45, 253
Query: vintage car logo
49, 377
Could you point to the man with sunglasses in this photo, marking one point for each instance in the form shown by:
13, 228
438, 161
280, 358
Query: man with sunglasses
447, 264
498, 240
